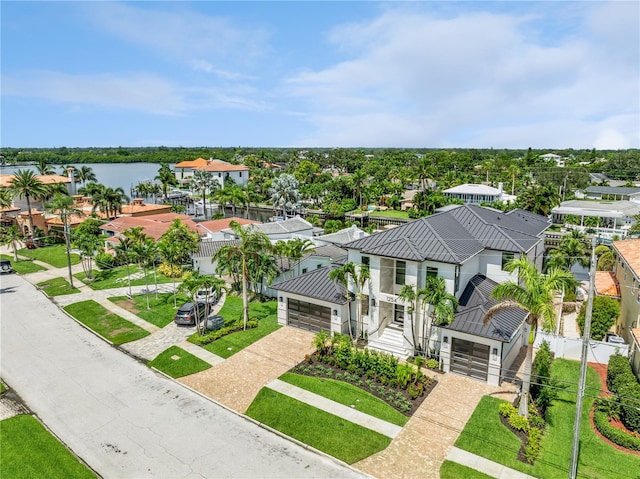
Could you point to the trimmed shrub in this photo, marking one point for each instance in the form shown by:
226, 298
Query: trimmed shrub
518, 422
506, 409
105, 261
618, 364
624, 439
534, 445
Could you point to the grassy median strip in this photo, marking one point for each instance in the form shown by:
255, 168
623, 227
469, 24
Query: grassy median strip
57, 287
108, 325
23, 266
29, 450
486, 436
331, 434
55, 255
162, 310
453, 470
176, 362
347, 395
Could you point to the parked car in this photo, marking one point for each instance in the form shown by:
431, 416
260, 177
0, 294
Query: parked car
186, 314
5, 266
215, 322
206, 295
613, 338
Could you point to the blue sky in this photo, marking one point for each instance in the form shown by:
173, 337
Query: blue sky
321, 74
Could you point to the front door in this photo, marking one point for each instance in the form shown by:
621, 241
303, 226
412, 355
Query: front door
398, 314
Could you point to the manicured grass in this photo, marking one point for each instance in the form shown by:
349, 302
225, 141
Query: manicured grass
335, 436
57, 287
162, 310
176, 362
29, 450
23, 266
453, 470
117, 278
485, 435
348, 395
108, 325
55, 255
232, 343
390, 214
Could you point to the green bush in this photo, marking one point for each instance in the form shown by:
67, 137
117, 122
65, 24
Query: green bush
624, 439
506, 409
618, 364
432, 364
534, 445
605, 312
630, 406
105, 261
518, 422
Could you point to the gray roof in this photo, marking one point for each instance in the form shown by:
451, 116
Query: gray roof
207, 248
290, 225
329, 251
475, 302
315, 284
456, 235
613, 190
343, 236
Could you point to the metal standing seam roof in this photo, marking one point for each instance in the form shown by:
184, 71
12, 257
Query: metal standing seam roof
209, 248
315, 284
475, 301
456, 235
613, 190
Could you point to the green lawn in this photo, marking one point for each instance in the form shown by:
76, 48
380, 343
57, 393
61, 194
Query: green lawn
232, 343
176, 362
390, 214
348, 395
23, 266
108, 325
335, 436
57, 287
55, 255
29, 451
117, 278
162, 310
453, 470
485, 435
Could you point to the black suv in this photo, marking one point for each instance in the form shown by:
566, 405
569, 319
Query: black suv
5, 266
186, 315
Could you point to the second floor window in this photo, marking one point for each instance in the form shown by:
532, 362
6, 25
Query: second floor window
506, 257
401, 272
432, 272
365, 260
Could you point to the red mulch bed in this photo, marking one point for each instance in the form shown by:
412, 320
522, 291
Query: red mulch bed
601, 369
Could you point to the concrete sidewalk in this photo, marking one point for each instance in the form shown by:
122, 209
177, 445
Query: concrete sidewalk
485, 466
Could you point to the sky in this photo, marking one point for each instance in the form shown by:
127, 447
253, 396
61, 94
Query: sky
448, 74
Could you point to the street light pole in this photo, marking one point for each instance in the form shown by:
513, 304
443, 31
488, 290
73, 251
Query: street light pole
65, 225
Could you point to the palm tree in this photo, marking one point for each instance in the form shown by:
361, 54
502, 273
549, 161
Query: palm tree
11, 236
408, 294
6, 200
443, 306
284, 192
201, 182
236, 194
166, 177
25, 184
513, 171
124, 251
109, 200
44, 167
88, 245
62, 205
298, 248
170, 254
350, 272
85, 174
534, 293
253, 244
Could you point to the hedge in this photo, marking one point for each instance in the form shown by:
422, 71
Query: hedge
615, 435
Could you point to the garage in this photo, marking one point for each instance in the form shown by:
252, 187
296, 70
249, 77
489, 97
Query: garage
308, 316
470, 359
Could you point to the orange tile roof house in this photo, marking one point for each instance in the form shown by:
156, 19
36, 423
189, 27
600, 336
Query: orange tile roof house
153, 226
213, 229
221, 170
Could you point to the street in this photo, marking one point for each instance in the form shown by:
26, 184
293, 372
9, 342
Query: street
122, 418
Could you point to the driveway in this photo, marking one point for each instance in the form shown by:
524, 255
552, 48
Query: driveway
123, 419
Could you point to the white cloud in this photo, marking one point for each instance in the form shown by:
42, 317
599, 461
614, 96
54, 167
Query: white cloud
478, 79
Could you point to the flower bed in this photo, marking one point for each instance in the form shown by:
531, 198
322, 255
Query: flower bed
529, 431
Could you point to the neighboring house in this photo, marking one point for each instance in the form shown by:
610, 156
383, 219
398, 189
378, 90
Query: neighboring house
613, 193
214, 229
221, 171
615, 217
456, 245
406, 203
153, 226
557, 159
37, 203
341, 237
627, 271
202, 259
138, 207
475, 194
291, 228
599, 178
606, 284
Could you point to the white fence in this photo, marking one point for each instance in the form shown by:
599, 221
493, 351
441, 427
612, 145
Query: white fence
570, 348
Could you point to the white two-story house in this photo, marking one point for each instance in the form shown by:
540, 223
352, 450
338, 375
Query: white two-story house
468, 247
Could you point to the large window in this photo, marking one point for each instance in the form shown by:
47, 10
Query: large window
432, 272
506, 257
401, 272
364, 303
365, 261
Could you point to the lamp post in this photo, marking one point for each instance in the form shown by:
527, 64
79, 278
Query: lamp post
65, 225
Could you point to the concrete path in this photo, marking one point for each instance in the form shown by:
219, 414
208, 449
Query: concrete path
201, 353
124, 420
485, 466
337, 409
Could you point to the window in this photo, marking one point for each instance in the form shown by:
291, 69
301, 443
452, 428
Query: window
506, 257
240, 174
364, 303
401, 272
365, 261
318, 266
304, 270
432, 272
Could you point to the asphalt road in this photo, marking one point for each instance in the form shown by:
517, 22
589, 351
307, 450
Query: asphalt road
123, 419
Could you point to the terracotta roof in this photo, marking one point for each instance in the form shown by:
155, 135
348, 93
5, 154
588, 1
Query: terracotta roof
224, 223
72, 220
191, 163
630, 250
9, 208
607, 284
143, 207
5, 179
151, 225
221, 166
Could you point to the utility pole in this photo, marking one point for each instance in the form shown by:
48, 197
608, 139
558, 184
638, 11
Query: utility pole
67, 239
583, 364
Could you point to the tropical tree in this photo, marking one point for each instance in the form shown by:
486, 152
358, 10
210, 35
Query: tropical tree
298, 248
236, 195
202, 182
534, 293
592, 222
341, 274
63, 206
6, 199
442, 306
191, 284
284, 193
11, 236
89, 245
44, 167
166, 177
25, 184
571, 250
170, 255
263, 270
85, 174
124, 254
539, 199
253, 244
108, 200
409, 295
513, 171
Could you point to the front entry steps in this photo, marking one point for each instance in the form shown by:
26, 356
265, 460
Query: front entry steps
391, 341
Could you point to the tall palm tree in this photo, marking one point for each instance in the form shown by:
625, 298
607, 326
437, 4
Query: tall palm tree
170, 254
191, 284
85, 174
202, 182
109, 200
44, 167
442, 303
88, 245
284, 192
534, 293
298, 248
236, 194
408, 294
253, 244
25, 184
358, 275
11, 236
513, 171
6, 200
166, 177
63, 206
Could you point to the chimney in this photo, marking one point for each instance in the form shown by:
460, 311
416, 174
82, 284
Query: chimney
500, 187
72, 177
